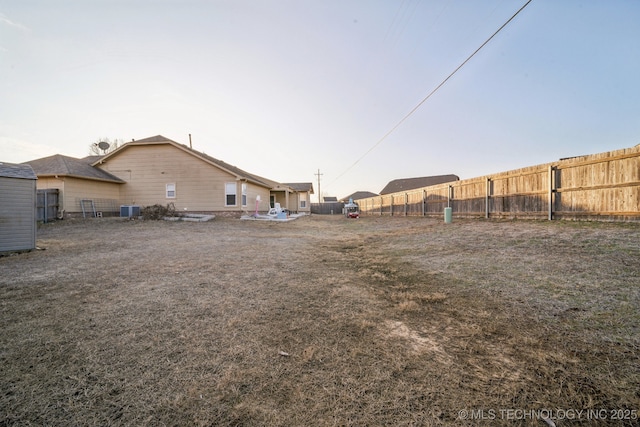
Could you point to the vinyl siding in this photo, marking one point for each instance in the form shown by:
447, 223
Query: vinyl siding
293, 201
200, 186
46, 183
77, 189
72, 190
17, 214
307, 208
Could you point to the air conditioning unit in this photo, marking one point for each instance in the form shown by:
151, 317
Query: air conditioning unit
129, 211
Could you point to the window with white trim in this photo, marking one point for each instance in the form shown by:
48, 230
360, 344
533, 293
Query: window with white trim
244, 194
230, 193
171, 191
303, 200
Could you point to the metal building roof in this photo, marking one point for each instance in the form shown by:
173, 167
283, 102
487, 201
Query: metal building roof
10, 170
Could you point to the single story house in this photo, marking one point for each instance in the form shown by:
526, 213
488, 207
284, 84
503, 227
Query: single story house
406, 184
295, 197
358, 195
80, 185
157, 170
17, 208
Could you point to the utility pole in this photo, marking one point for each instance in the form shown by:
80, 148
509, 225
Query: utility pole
319, 193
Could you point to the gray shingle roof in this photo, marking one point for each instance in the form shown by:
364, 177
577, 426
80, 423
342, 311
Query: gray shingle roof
159, 139
10, 170
69, 166
406, 184
359, 195
300, 186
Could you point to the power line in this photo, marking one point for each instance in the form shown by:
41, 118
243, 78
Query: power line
401, 20
432, 92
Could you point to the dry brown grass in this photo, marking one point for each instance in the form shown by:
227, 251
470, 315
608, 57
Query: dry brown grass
321, 321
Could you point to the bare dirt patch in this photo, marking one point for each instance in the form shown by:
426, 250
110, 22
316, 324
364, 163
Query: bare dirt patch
322, 321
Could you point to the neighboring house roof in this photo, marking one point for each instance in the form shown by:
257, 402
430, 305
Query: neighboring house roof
59, 165
300, 186
359, 195
330, 199
159, 139
406, 184
10, 170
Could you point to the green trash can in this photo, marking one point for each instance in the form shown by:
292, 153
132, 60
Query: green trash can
448, 215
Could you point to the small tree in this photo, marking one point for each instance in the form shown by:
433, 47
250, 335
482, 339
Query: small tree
103, 146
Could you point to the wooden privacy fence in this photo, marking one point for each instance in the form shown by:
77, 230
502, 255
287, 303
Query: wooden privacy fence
602, 186
327, 208
47, 204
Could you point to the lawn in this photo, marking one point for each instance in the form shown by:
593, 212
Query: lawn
322, 321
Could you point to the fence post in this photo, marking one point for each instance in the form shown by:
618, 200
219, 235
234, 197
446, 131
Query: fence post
406, 202
424, 202
46, 207
550, 216
486, 199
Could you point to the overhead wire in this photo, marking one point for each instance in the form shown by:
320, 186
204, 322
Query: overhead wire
395, 19
414, 109
400, 21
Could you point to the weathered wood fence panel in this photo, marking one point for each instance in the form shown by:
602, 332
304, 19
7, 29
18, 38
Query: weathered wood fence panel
522, 193
327, 208
47, 204
603, 186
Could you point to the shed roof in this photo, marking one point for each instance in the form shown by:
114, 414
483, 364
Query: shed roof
11, 170
406, 184
69, 166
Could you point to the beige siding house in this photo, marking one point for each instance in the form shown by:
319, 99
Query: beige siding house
291, 196
300, 198
76, 181
158, 170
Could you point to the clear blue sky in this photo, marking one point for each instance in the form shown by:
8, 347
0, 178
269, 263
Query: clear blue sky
282, 88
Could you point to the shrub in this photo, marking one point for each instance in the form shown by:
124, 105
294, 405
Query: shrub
157, 212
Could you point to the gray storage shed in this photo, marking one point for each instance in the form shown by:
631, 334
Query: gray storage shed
17, 208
